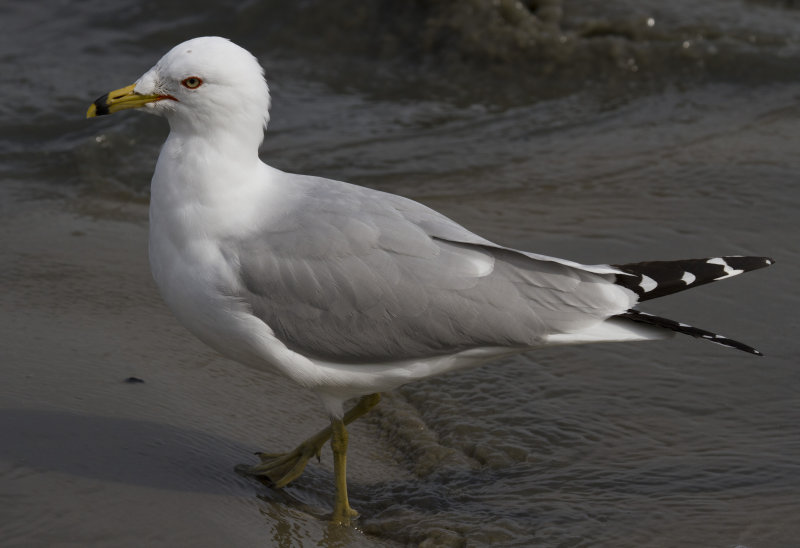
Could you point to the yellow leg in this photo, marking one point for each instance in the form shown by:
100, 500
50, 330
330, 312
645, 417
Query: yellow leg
342, 513
283, 468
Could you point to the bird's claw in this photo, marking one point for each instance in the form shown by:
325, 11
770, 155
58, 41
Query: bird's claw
282, 468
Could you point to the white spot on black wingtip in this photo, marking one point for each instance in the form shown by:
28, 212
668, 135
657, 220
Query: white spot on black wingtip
729, 271
688, 278
647, 283
768, 261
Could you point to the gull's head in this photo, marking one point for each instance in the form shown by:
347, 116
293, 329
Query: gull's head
204, 84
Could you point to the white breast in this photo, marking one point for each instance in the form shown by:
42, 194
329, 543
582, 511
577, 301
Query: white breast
194, 210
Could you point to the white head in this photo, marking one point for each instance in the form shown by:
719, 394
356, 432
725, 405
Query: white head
203, 85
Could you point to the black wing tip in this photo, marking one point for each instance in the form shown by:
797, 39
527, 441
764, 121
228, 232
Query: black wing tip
730, 343
747, 263
653, 279
686, 329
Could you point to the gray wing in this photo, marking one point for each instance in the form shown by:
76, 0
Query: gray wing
352, 275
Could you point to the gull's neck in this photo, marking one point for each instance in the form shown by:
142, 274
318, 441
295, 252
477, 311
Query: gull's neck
231, 139
219, 158
201, 174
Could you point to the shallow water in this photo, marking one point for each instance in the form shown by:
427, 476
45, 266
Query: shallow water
672, 443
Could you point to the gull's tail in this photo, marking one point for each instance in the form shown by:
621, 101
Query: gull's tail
655, 279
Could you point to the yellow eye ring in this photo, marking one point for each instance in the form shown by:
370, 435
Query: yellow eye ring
192, 82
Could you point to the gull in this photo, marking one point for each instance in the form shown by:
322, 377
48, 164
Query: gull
346, 290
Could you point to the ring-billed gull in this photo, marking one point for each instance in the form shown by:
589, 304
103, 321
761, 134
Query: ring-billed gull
346, 290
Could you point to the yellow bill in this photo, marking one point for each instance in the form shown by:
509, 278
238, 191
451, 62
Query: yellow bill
120, 99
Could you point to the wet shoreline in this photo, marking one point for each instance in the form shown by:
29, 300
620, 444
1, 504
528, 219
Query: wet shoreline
668, 443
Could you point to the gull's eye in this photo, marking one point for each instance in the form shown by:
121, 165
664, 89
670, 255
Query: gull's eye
192, 82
